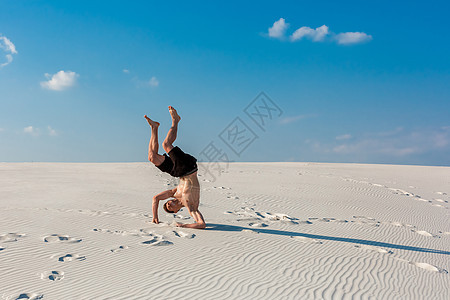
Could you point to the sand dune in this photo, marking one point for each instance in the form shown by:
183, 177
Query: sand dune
275, 231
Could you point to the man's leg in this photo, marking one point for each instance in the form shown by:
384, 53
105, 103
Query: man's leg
172, 134
153, 156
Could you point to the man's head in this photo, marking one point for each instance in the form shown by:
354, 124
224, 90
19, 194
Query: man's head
172, 206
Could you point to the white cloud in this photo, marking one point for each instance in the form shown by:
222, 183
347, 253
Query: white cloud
60, 81
153, 82
51, 131
9, 60
316, 35
344, 137
2, 129
278, 29
126, 71
7, 45
9, 48
320, 34
32, 131
347, 38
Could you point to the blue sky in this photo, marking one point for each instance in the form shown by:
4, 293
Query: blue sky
372, 86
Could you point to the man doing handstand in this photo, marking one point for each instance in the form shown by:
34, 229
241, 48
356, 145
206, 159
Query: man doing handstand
178, 164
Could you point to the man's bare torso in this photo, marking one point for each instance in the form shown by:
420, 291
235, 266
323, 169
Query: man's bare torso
188, 191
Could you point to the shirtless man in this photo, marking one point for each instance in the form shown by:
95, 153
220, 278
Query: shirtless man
177, 164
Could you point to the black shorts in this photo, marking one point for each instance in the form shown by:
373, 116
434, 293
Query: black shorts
178, 163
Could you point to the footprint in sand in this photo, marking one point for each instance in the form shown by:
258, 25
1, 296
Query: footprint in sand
257, 224
143, 232
428, 267
249, 214
366, 220
413, 229
306, 240
401, 192
399, 224
305, 222
93, 213
442, 201
341, 221
11, 237
378, 185
424, 233
421, 199
277, 217
221, 188
119, 249
156, 242
53, 275
283, 217
328, 220
374, 249
182, 234
29, 296
106, 231
71, 257
118, 232
58, 238
441, 193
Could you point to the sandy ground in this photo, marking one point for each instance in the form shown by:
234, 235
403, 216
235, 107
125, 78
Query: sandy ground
275, 231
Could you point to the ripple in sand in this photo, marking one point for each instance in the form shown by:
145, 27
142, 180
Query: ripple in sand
306, 240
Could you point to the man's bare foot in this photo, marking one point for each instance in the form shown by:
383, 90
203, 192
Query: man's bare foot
151, 122
173, 112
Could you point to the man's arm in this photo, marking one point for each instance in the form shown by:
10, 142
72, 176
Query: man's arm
161, 196
199, 221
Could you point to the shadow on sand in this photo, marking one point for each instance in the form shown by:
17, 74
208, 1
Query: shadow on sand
222, 227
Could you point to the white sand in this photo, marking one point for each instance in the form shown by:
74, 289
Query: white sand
275, 231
